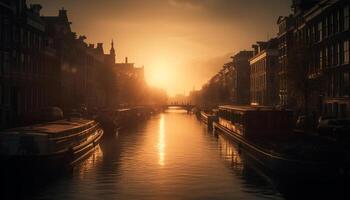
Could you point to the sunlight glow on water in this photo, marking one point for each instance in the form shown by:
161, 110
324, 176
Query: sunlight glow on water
169, 156
161, 143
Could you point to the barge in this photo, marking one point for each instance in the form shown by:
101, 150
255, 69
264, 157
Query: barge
208, 119
48, 146
114, 120
265, 134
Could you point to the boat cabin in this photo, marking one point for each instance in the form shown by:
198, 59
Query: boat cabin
48, 138
255, 121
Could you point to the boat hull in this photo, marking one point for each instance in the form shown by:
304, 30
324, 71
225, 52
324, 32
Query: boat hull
52, 163
282, 166
208, 119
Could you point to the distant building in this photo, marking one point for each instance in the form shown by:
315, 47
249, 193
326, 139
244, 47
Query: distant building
241, 78
263, 68
129, 80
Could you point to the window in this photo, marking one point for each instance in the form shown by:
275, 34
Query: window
346, 51
326, 57
312, 38
346, 84
336, 22
319, 32
321, 59
346, 18
331, 25
330, 55
6, 60
336, 54
341, 53
325, 27
337, 84
1, 62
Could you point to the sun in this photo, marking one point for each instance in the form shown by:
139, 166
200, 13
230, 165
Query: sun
161, 74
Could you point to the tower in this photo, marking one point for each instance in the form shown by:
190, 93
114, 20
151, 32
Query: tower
112, 53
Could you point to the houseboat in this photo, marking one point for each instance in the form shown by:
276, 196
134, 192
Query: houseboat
265, 134
112, 121
208, 119
47, 146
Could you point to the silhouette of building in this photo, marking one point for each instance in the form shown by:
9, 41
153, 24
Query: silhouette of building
129, 80
110, 58
80, 64
28, 78
7, 16
285, 46
322, 27
241, 78
263, 68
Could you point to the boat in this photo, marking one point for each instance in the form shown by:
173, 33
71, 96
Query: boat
49, 146
208, 119
265, 134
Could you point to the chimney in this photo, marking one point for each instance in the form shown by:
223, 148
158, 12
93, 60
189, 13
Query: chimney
35, 8
91, 46
126, 60
62, 13
256, 49
100, 47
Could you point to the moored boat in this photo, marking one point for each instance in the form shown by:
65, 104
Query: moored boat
49, 146
208, 119
114, 120
265, 134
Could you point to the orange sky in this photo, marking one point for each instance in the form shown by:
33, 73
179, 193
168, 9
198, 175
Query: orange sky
181, 43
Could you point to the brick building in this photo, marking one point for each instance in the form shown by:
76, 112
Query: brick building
322, 27
28, 75
285, 51
241, 78
263, 72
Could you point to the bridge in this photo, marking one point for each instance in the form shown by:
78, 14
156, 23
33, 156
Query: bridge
185, 106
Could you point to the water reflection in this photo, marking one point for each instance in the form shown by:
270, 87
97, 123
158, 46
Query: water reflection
92, 161
170, 156
230, 153
161, 141
254, 180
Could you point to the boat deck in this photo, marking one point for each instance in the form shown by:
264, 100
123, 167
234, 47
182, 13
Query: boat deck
52, 127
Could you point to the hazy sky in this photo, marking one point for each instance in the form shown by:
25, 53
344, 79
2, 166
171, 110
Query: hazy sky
181, 43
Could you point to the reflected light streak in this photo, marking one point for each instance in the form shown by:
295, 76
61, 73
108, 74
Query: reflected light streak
91, 161
161, 141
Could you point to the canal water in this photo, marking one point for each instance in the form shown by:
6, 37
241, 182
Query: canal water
169, 156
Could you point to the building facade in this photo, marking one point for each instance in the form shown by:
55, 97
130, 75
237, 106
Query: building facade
27, 73
129, 81
82, 66
322, 29
241, 78
263, 68
285, 47
327, 36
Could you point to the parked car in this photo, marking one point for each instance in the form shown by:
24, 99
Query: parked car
337, 128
